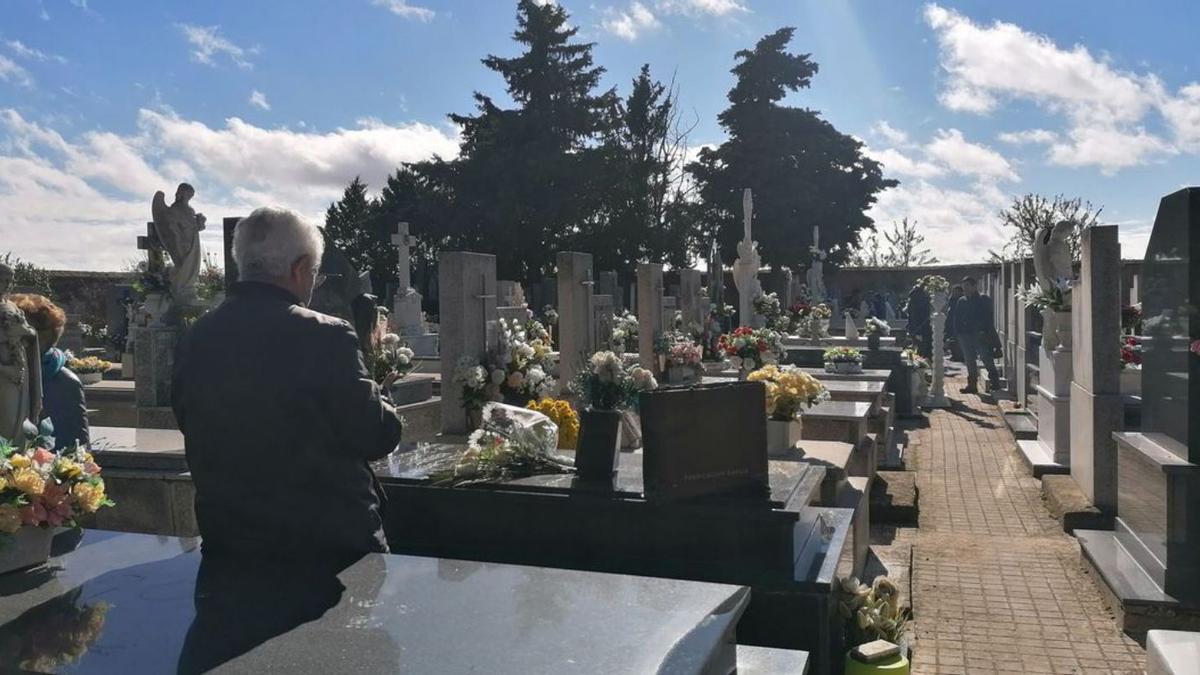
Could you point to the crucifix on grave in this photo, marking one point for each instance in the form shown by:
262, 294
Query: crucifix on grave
406, 308
155, 306
153, 246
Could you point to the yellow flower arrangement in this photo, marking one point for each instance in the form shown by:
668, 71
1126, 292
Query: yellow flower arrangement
561, 413
89, 364
89, 497
789, 390
42, 488
29, 482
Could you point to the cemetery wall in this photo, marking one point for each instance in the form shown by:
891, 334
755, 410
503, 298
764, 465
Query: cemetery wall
86, 293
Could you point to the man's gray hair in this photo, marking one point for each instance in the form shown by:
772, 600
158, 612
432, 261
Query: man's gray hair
270, 239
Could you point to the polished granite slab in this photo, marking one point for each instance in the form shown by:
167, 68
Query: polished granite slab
866, 375
126, 603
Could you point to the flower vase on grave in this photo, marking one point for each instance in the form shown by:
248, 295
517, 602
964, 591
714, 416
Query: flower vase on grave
782, 436
28, 547
598, 452
873, 341
474, 419
127, 366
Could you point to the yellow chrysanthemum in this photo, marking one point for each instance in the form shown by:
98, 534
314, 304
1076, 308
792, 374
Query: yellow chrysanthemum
562, 414
68, 469
20, 461
88, 496
10, 519
29, 482
3, 483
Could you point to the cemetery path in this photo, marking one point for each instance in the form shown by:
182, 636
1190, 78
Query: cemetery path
996, 584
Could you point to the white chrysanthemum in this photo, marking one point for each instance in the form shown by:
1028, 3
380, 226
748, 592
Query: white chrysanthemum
391, 340
498, 376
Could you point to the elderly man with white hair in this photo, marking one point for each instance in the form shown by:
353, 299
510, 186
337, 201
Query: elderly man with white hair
278, 411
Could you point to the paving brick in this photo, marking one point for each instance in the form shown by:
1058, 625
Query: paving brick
996, 584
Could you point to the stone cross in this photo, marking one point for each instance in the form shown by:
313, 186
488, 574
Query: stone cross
403, 242
747, 212
576, 334
154, 249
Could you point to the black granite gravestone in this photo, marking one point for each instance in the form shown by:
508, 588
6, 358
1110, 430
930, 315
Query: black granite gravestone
705, 440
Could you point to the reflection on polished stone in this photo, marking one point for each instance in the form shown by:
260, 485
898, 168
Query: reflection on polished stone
136, 603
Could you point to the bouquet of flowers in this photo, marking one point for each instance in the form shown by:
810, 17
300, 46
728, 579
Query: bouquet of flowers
510, 443
872, 612
94, 336
625, 331
843, 355
811, 321
912, 359
678, 349
751, 348
515, 368
877, 327
550, 315
789, 391
1131, 353
88, 365
1056, 298
933, 283
563, 415
41, 488
768, 306
392, 356
608, 384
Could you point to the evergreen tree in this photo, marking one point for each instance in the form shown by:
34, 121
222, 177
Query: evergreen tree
803, 171
352, 226
644, 152
527, 178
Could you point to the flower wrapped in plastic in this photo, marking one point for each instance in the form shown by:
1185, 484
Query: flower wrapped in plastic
510, 443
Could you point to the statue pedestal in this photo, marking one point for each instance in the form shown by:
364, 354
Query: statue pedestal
745, 277
1050, 452
153, 373
937, 389
407, 322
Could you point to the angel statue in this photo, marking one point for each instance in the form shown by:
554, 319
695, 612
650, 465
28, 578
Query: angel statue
178, 227
1053, 268
20, 367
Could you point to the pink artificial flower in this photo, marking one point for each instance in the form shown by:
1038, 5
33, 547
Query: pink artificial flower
56, 500
33, 513
43, 456
1195, 347
91, 468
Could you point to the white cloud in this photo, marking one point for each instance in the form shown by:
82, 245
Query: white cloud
896, 163
11, 72
710, 7
961, 225
259, 100
207, 42
402, 9
628, 24
1035, 136
26, 52
971, 159
889, 133
80, 203
984, 66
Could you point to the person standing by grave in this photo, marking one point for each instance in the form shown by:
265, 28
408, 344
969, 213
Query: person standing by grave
63, 400
279, 414
950, 310
919, 328
974, 329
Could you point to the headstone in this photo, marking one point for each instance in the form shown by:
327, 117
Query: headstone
816, 272
745, 269
691, 292
575, 332
603, 309
1156, 535
1096, 405
669, 306
116, 312
650, 326
1025, 323
467, 301
155, 306
1012, 337
406, 307
510, 294
1050, 452
607, 283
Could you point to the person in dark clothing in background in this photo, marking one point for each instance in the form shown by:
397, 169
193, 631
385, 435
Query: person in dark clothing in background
973, 327
63, 401
278, 412
950, 337
919, 328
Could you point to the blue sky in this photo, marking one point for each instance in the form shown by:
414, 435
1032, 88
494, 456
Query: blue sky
966, 103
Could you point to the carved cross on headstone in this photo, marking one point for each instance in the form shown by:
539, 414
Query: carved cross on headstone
489, 326
403, 242
153, 247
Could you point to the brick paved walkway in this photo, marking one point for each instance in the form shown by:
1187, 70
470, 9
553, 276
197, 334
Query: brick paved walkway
997, 586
